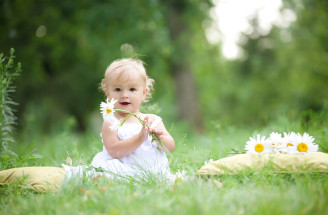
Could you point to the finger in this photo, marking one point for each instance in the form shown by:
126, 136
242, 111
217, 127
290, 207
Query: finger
156, 131
150, 121
146, 120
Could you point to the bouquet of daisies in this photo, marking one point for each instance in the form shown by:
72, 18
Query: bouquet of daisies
289, 143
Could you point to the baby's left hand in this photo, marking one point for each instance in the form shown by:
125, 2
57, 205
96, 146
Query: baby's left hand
157, 131
154, 124
156, 127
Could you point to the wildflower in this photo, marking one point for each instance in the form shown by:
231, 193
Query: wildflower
260, 145
302, 144
179, 176
289, 139
278, 144
107, 110
291, 143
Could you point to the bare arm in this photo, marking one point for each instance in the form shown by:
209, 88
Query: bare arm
163, 135
117, 148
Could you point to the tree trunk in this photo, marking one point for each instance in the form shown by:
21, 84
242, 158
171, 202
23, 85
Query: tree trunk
187, 99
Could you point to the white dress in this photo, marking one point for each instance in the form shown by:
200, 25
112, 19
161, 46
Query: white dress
146, 160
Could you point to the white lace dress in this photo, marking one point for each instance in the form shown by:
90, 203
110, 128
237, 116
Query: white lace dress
146, 160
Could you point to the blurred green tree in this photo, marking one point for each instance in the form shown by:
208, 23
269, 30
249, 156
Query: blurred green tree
306, 55
284, 71
66, 46
59, 75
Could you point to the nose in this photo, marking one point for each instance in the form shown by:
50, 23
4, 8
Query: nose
124, 95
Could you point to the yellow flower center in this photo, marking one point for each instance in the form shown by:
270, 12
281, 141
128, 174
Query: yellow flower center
108, 111
289, 144
259, 147
178, 180
302, 147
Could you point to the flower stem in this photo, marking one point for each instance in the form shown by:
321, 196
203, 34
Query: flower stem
143, 124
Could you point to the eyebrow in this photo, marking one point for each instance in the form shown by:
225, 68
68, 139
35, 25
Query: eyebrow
134, 85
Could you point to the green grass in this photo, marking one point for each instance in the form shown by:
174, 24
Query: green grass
258, 192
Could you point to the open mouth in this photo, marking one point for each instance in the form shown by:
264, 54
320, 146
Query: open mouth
124, 103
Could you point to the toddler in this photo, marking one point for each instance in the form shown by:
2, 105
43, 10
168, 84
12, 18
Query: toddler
129, 150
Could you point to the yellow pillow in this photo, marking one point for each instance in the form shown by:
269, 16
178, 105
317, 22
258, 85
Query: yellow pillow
37, 178
279, 163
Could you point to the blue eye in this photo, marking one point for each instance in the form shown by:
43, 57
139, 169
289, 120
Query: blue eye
117, 89
132, 89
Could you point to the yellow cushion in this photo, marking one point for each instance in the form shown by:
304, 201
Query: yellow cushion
37, 178
279, 163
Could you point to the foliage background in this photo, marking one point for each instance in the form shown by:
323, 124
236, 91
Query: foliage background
65, 47
211, 105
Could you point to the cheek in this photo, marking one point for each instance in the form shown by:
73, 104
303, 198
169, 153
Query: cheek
111, 96
142, 95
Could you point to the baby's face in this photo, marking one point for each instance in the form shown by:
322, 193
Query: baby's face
129, 91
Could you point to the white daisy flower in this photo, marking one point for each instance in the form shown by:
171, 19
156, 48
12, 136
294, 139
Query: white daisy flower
278, 144
260, 145
302, 144
179, 176
107, 110
289, 139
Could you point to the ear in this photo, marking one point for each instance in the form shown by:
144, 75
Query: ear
145, 93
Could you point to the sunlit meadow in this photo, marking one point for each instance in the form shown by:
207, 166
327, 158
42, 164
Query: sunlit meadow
258, 192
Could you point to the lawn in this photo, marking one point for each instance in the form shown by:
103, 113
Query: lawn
257, 192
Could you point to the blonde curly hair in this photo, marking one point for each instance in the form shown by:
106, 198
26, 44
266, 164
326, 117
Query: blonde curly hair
118, 68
